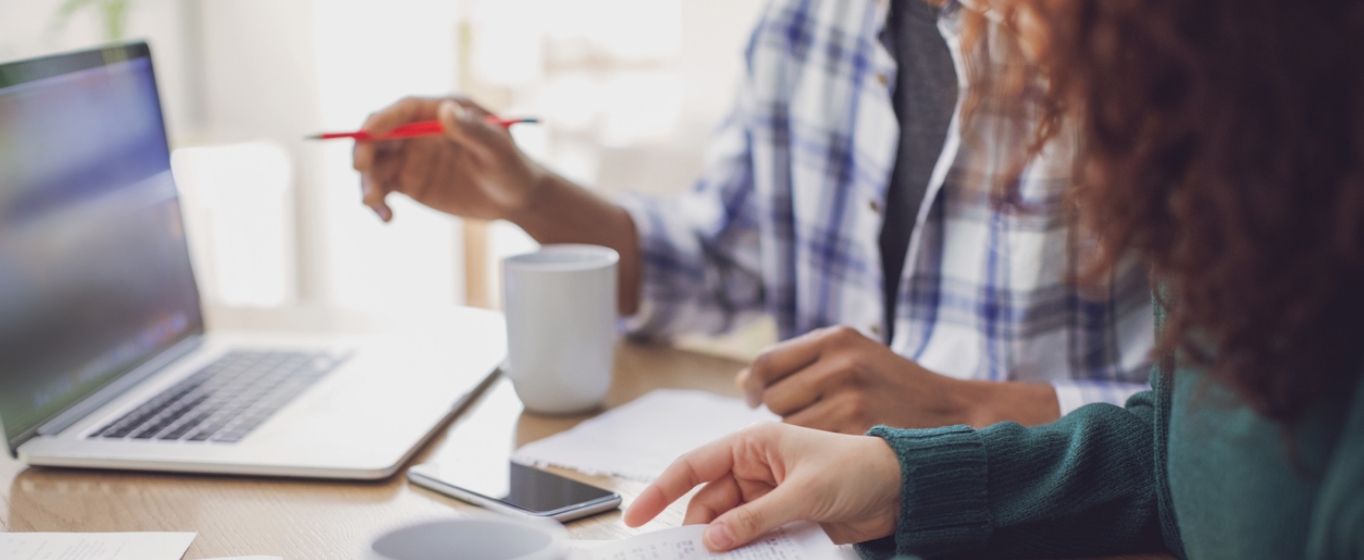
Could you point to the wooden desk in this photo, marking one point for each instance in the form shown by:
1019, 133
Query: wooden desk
306, 519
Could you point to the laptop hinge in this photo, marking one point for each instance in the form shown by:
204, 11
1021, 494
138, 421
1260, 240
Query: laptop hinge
112, 391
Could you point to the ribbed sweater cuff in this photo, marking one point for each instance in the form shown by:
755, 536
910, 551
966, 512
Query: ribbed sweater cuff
944, 504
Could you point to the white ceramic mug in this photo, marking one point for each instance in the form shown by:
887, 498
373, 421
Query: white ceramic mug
473, 538
561, 326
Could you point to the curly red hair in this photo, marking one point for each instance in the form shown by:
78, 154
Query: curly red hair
1223, 142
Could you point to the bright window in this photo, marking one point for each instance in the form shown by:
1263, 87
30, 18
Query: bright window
629, 91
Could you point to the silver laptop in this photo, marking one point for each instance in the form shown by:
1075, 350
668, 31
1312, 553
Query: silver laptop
104, 358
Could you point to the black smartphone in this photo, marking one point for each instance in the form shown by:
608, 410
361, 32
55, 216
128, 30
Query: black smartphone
516, 490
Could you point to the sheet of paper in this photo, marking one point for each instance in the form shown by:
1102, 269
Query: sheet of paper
94, 546
641, 438
797, 541
582, 550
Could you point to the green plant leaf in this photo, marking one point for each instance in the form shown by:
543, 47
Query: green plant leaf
70, 7
113, 15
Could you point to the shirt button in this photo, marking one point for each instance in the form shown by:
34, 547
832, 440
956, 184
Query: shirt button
875, 206
875, 329
883, 78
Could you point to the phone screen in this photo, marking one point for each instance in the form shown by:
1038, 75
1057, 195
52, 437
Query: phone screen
523, 487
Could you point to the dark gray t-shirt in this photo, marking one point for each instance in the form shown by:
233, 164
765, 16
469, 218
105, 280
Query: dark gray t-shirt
925, 95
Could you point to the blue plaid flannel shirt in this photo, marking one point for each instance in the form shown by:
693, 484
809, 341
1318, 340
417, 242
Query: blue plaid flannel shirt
786, 219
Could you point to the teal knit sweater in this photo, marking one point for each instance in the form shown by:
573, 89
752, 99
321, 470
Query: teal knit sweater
1182, 469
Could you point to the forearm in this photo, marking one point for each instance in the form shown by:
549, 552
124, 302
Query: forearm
1084, 485
992, 402
562, 212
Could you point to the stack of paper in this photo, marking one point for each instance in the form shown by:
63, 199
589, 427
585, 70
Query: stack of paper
641, 438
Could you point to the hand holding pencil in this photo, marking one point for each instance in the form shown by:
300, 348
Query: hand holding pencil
457, 158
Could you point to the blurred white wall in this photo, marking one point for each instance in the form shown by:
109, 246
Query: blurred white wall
368, 55
280, 70
239, 205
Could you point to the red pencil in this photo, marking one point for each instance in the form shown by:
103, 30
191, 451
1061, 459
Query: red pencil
426, 128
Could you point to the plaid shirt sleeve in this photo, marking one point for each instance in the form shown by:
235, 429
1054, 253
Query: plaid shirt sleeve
700, 250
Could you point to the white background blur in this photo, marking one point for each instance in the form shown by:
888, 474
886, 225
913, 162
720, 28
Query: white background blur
629, 91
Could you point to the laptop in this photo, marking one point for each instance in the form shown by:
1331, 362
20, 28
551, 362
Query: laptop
105, 361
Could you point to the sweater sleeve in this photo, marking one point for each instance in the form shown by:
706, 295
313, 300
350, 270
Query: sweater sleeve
1337, 525
1082, 486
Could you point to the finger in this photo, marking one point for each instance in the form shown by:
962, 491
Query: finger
381, 179
780, 360
362, 156
375, 197
805, 387
704, 464
362, 159
478, 110
405, 111
743, 524
712, 500
741, 381
421, 160
466, 127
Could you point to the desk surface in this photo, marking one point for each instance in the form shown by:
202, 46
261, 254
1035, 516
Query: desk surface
305, 519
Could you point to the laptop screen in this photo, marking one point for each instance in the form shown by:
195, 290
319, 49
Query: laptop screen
94, 270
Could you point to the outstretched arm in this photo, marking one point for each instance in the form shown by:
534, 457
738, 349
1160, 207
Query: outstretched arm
476, 171
1085, 485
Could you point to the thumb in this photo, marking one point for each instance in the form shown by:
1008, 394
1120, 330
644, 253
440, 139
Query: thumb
741, 380
741, 525
464, 126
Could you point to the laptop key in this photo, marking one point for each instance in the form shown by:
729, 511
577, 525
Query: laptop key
225, 400
183, 428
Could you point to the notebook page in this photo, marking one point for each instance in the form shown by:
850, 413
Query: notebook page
641, 438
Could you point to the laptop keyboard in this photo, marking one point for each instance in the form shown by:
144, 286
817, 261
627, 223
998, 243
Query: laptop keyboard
225, 400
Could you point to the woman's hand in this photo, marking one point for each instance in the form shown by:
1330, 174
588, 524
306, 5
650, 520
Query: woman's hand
474, 170
768, 475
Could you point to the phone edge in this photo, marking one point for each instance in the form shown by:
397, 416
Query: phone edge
578, 511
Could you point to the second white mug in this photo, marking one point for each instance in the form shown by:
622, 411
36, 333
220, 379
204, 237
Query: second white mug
561, 326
